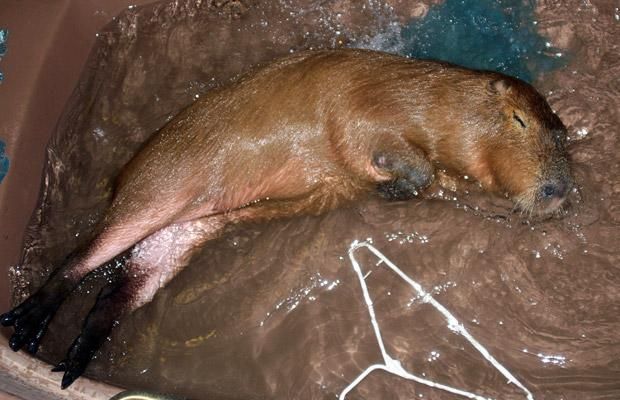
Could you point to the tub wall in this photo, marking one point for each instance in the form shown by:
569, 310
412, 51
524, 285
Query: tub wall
48, 44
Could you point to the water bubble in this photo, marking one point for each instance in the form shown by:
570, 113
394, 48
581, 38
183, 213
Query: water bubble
582, 132
552, 359
434, 355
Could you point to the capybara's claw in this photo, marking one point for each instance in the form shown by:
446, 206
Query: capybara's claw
16, 341
33, 345
70, 376
73, 366
60, 367
7, 319
79, 355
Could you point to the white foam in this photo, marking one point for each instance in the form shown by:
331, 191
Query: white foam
394, 366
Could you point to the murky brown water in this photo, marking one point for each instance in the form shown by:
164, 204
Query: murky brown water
276, 310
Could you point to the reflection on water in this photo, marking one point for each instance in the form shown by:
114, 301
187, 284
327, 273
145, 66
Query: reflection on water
394, 366
275, 310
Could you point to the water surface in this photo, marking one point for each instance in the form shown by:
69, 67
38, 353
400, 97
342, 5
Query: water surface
275, 310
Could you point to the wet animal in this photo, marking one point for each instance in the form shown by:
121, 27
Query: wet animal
304, 134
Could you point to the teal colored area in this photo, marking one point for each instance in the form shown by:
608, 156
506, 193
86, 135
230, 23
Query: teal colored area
496, 35
4, 35
4, 162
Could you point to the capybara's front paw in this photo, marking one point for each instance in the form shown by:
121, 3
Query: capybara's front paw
398, 189
421, 177
30, 320
411, 172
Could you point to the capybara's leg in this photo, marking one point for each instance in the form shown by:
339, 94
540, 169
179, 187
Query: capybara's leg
140, 273
409, 169
32, 316
98, 323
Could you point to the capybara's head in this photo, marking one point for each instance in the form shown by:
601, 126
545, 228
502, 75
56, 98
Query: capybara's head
525, 154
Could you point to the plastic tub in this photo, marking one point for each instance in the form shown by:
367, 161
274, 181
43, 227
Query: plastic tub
47, 47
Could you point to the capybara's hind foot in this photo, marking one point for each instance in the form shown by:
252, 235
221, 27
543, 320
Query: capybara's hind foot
96, 329
79, 355
31, 318
111, 304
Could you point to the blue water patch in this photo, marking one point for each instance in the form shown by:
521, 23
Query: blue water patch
4, 162
498, 35
4, 35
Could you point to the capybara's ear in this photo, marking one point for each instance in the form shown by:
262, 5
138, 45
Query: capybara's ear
499, 86
519, 120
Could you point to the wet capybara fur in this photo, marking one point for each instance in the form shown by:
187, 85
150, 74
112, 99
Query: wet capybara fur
303, 134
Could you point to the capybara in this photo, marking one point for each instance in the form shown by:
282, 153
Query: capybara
303, 134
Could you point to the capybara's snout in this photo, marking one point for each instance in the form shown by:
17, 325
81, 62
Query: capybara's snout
553, 193
554, 190
556, 180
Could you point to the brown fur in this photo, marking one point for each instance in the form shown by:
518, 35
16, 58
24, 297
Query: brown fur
305, 128
313, 130
304, 134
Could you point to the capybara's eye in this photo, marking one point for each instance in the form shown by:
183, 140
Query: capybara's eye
518, 119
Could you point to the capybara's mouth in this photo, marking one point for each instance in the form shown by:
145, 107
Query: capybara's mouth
552, 196
551, 207
537, 207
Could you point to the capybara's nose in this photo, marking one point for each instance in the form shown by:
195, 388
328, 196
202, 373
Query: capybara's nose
554, 190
